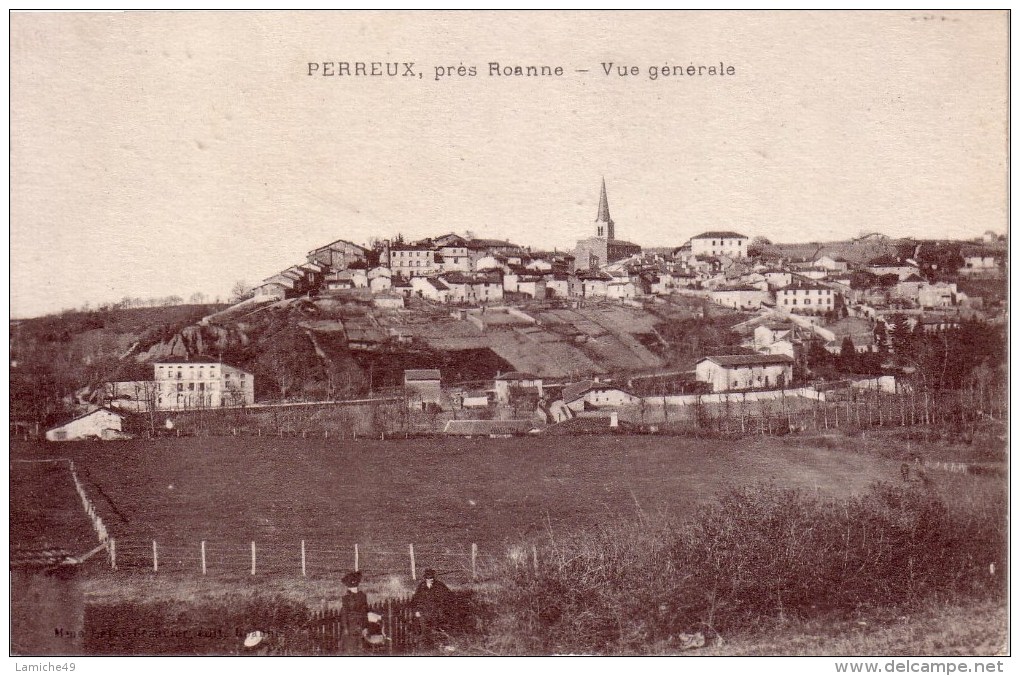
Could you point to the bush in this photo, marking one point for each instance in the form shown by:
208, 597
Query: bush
758, 554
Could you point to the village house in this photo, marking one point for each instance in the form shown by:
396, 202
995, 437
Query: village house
832, 264
804, 297
507, 383
430, 288
473, 288
740, 297
621, 287
380, 283
557, 285
277, 287
490, 263
592, 393
101, 423
937, 295
888, 265
475, 399
719, 243
531, 285
422, 388
413, 260
201, 382
744, 372
338, 255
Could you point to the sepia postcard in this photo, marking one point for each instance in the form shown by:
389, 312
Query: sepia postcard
499, 334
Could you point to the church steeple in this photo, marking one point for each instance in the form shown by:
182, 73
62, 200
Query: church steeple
603, 221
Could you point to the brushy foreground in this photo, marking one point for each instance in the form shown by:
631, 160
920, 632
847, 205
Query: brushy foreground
760, 555
772, 570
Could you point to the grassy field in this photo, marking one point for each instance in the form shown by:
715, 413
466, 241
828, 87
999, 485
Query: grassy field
443, 495
440, 495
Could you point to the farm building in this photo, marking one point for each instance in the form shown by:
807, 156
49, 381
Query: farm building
201, 382
515, 380
475, 399
744, 372
101, 423
422, 387
592, 393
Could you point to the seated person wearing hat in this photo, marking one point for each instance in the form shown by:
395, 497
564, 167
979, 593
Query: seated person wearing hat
353, 614
430, 603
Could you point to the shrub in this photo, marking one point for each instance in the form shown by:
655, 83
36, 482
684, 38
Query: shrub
757, 554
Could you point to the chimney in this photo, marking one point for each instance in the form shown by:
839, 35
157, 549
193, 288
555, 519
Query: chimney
614, 419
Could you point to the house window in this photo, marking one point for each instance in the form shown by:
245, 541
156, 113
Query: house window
180, 388
191, 386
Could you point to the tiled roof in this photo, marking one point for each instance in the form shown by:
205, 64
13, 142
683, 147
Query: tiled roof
516, 375
331, 244
92, 412
720, 234
197, 359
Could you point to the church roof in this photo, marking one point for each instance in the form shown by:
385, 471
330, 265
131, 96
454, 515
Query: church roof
603, 214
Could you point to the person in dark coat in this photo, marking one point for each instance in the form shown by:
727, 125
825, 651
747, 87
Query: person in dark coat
430, 605
353, 615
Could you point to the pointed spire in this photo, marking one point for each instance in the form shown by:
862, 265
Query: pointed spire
603, 215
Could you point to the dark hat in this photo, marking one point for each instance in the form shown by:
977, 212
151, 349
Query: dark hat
430, 574
352, 579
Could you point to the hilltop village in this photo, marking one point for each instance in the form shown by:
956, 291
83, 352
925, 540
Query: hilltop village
469, 328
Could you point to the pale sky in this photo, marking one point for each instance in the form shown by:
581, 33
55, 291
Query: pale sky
167, 153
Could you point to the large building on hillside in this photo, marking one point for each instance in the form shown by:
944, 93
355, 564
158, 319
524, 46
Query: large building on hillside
602, 249
201, 382
338, 255
719, 243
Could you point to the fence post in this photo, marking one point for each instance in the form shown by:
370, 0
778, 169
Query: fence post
303, 559
356, 562
203, 557
474, 559
112, 545
252, 557
155, 558
414, 573
389, 623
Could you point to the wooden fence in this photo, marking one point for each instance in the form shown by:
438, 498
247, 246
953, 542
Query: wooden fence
325, 628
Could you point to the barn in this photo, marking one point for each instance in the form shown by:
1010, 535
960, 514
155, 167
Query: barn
102, 423
422, 387
745, 372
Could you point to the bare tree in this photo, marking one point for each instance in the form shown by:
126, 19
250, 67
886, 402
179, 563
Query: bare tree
241, 290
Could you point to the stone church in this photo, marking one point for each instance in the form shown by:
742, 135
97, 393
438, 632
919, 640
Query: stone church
602, 249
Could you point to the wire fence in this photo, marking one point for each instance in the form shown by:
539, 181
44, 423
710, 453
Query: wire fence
301, 558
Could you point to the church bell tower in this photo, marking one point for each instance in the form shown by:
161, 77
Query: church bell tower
604, 227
